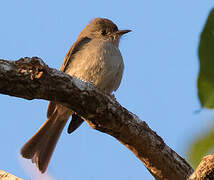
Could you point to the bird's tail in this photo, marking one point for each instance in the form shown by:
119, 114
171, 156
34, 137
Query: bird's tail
41, 146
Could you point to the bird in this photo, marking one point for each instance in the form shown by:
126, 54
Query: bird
95, 58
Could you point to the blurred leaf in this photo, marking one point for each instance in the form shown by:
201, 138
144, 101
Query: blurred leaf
206, 57
201, 147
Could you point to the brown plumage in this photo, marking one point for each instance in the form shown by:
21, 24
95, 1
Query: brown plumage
94, 57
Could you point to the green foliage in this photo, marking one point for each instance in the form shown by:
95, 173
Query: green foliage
205, 143
200, 147
206, 57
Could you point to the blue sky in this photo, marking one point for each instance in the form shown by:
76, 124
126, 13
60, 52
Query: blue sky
159, 82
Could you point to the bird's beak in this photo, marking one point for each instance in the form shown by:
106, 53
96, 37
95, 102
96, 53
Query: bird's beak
122, 32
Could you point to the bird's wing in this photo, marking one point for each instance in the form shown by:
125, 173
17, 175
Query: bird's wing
78, 45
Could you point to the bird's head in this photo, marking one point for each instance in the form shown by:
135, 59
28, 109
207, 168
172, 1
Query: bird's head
103, 28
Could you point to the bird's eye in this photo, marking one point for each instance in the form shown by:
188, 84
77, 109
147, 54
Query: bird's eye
104, 32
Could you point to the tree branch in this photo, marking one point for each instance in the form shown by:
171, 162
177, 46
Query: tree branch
205, 169
7, 176
31, 78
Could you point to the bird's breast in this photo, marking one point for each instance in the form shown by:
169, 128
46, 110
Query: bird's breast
100, 63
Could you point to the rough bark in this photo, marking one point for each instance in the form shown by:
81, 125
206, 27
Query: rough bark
31, 78
205, 169
7, 176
